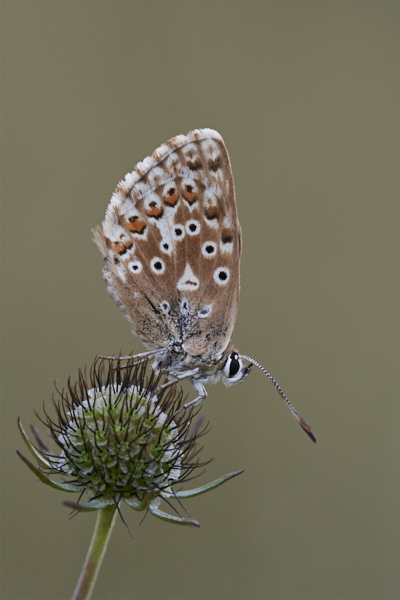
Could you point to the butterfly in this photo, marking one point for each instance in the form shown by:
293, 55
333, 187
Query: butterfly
172, 243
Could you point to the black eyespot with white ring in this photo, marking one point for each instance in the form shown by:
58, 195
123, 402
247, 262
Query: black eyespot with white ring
166, 246
135, 266
157, 265
193, 227
221, 275
209, 249
165, 307
178, 232
205, 311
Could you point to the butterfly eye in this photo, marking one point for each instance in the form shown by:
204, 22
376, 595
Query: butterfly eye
234, 371
234, 364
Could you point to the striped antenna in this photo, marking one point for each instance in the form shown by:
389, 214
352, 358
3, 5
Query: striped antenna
294, 412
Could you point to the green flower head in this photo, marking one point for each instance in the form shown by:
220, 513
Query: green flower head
121, 436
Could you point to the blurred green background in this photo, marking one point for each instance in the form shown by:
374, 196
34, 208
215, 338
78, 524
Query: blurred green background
307, 97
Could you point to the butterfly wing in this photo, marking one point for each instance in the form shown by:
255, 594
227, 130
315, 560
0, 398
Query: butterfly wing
172, 245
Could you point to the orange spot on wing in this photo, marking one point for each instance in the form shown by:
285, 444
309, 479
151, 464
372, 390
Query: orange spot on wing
171, 197
154, 210
189, 195
122, 248
118, 247
136, 225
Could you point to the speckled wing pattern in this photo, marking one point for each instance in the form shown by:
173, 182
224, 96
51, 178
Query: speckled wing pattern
171, 242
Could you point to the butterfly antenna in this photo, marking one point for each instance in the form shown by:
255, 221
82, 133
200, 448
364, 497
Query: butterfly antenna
294, 412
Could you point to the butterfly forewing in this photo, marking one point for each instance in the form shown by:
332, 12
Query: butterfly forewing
172, 243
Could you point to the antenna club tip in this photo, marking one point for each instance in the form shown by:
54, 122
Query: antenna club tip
309, 433
305, 426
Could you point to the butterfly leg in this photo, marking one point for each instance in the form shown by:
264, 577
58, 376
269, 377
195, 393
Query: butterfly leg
199, 387
201, 390
141, 356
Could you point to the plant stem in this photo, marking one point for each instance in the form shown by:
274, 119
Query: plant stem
101, 535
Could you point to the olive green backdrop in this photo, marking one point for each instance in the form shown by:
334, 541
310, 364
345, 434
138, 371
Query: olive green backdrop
307, 97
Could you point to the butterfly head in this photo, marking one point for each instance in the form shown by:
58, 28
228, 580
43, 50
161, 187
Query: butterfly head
234, 371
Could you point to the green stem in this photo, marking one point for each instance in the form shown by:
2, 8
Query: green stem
104, 524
